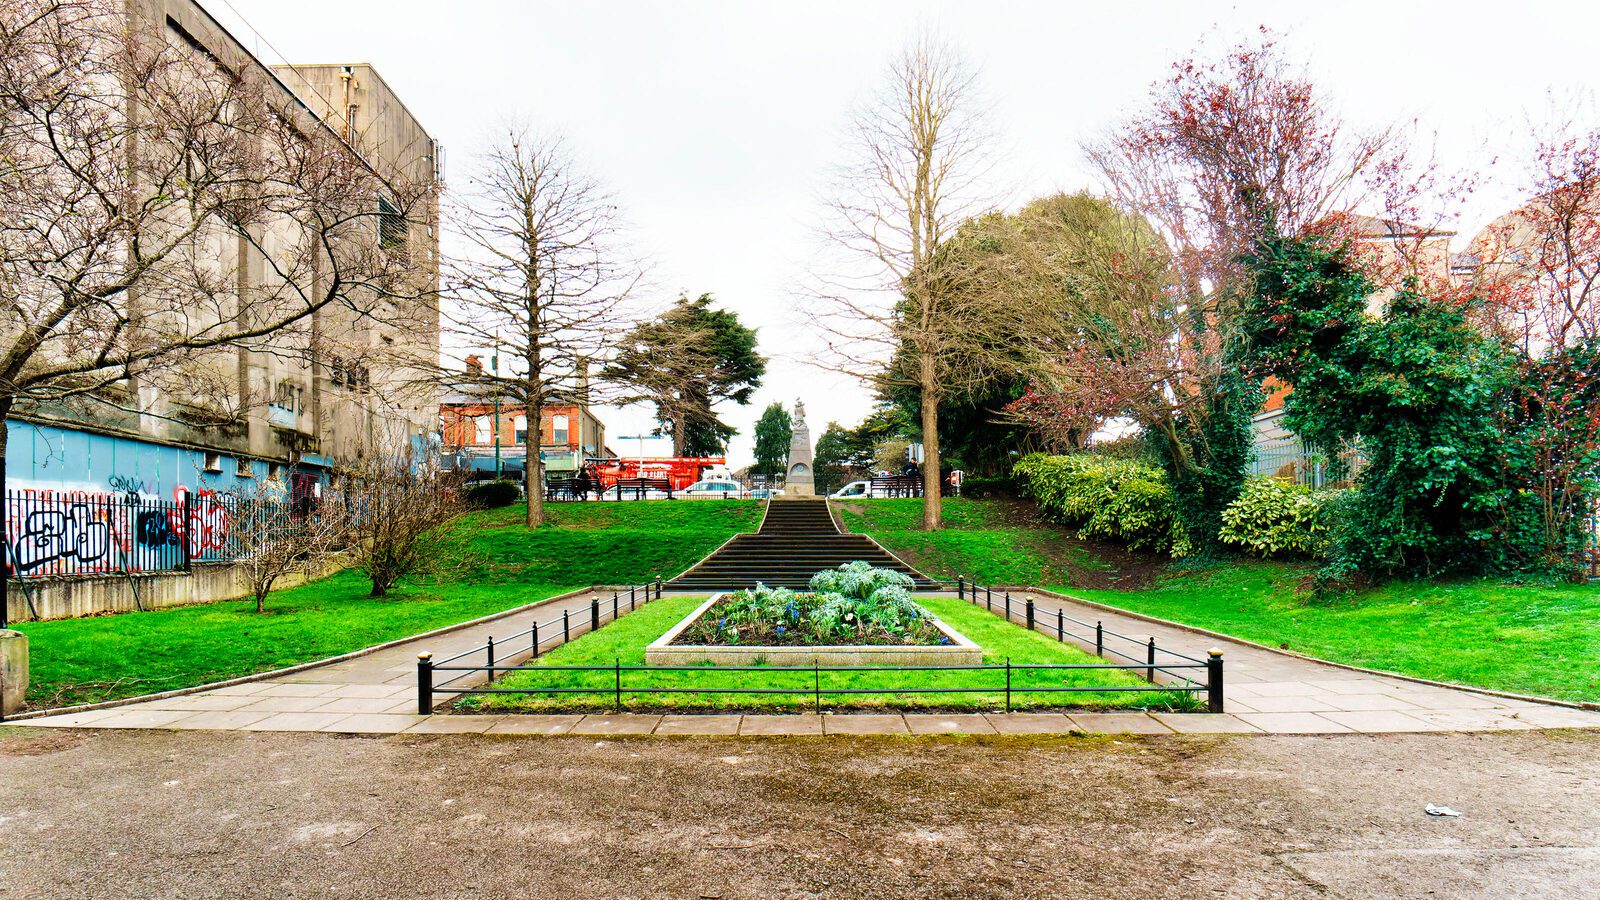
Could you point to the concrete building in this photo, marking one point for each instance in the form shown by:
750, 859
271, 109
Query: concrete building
299, 411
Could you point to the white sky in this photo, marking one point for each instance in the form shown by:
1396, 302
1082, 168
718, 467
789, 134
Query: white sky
716, 123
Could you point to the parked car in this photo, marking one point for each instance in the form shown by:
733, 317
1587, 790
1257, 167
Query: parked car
855, 490
716, 488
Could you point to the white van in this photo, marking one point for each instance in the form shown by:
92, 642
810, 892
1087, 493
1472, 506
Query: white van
855, 490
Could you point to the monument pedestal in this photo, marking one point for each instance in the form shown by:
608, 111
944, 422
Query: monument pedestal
800, 481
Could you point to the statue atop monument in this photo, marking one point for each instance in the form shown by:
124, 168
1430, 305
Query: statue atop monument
800, 481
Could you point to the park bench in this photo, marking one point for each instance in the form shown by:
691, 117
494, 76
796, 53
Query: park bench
640, 487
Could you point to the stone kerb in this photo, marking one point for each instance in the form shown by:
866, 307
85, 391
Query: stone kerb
961, 651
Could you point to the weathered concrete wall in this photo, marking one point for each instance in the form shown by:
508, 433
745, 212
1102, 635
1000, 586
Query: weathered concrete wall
70, 598
13, 670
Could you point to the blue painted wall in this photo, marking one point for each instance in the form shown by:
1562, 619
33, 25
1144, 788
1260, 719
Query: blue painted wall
43, 456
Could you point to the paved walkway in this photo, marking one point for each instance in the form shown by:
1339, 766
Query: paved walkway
1265, 692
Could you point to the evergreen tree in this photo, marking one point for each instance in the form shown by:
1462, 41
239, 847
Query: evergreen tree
774, 431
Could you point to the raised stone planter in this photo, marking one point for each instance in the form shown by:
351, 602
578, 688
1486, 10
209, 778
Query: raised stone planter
663, 652
13, 671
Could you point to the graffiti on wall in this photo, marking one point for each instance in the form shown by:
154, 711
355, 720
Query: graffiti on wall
86, 532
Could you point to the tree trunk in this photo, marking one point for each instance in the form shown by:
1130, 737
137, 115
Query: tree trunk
680, 436
533, 470
932, 499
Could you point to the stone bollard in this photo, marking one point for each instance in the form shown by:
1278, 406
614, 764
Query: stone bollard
13, 671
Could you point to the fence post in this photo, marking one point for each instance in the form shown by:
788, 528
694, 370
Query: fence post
658, 587
613, 607
618, 664
566, 627
187, 554
594, 613
1214, 680
535, 641
961, 587
489, 648
424, 684
816, 683
1099, 639
988, 599
1028, 605
1061, 628
1008, 684
1150, 670
631, 590
1008, 606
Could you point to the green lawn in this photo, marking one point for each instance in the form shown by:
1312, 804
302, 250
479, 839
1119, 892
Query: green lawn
1534, 639
493, 563
993, 542
625, 640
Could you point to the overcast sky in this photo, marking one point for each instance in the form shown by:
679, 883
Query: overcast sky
716, 123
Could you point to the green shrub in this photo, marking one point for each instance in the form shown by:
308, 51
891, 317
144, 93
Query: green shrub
492, 494
1273, 517
1121, 500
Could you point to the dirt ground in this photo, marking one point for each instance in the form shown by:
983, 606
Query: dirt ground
164, 814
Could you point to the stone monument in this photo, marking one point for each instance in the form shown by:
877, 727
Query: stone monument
800, 481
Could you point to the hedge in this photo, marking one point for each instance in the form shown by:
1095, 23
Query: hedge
1121, 500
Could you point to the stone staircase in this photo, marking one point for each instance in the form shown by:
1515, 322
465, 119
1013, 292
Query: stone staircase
797, 539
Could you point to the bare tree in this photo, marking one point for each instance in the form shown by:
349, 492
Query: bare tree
542, 277
270, 539
166, 210
397, 504
899, 315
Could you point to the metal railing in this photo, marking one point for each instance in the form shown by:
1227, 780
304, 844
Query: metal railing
1152, 659
52, 534
1184, 671
532, 640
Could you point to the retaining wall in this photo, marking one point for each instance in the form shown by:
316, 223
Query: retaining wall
73, 596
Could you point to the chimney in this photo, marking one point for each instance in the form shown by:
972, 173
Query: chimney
581, 395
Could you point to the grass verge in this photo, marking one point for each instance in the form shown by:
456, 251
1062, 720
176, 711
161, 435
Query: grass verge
1539, 639
624, 641
493, 563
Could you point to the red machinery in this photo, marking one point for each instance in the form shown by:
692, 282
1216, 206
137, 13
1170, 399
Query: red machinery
681, 471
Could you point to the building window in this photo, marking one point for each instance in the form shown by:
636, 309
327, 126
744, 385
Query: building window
212, 462
347, 373
481, 433
520, 424
392, 227
243, 468
274, 471
559, 427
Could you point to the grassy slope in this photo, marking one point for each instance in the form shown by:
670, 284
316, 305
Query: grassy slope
499, 565
625, 640
1536, 639
982, 540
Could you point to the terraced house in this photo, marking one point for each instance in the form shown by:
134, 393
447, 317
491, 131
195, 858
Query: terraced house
274, 228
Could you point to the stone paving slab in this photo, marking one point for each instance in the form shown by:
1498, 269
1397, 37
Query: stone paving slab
864, 723
804, 724
699, 725
956, 724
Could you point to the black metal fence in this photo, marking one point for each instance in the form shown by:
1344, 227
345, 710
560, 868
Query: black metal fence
57, 533
1187, 674
533, 640
1145, 656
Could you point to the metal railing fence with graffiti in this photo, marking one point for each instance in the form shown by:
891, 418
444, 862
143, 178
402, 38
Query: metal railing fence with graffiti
62, 533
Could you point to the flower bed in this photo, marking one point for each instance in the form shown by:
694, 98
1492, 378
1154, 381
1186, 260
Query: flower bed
854, 605
853, 615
